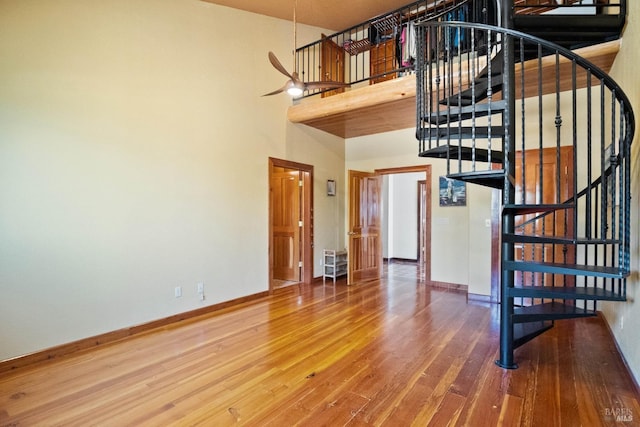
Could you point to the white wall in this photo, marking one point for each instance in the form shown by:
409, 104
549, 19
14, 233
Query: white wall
624, 318
402, 230
134, 149
460, 249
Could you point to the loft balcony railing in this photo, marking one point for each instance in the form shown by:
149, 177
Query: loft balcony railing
380, 49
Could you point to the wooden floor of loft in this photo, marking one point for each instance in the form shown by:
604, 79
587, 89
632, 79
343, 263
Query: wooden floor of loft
391, 105
389, 352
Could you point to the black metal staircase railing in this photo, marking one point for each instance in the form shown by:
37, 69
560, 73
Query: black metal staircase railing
512, 111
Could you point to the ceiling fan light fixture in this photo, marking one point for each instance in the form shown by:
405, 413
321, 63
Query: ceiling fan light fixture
295, 89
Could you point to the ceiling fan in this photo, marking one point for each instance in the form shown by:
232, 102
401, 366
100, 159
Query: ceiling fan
294, 86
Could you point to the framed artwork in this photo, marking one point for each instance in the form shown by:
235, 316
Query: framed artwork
331, 187
452, 192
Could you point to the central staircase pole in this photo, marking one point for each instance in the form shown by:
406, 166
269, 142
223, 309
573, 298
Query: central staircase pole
508, 194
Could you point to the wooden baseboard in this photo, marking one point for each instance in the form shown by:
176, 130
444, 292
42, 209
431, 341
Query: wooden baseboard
400, 260
479, 298
620, 353
120, 334
454, 287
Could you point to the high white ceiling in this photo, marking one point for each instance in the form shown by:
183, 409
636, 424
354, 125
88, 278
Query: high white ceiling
334, 15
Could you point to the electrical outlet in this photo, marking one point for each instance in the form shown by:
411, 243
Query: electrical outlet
200, 290
178, 291
621, 322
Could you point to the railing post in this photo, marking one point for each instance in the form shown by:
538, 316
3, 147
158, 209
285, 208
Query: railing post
508, 194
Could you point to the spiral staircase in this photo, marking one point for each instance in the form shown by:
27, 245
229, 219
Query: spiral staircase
516, 108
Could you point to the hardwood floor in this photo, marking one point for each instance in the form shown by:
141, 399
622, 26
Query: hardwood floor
391, 352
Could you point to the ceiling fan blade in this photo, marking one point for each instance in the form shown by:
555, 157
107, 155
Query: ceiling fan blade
275, 92
277, 65
325, 85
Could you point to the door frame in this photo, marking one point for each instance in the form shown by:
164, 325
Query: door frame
426, 267
306, 234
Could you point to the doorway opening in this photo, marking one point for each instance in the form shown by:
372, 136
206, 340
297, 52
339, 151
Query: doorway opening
290, 223
406, 219
366, 231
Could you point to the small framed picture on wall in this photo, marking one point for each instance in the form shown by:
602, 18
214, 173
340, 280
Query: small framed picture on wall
452, 192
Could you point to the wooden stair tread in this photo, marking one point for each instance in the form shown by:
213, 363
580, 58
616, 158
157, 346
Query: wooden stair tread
566, 292
570, 269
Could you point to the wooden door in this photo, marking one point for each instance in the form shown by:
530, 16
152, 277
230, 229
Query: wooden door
546, 181
286, 220
365, 252
382, 60
332, 64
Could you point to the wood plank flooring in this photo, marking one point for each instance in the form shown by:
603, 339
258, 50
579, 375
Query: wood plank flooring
390, 352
